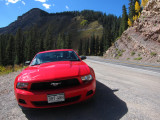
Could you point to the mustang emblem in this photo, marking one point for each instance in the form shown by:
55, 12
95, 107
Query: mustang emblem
55, 84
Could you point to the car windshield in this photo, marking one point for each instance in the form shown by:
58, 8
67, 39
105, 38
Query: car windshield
54, 56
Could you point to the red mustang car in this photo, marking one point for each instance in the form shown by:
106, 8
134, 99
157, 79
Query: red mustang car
55, 78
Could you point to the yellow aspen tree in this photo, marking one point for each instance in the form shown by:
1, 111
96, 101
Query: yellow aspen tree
133, 18
129, 22
136, 17
137, 7
143, 3
139, 14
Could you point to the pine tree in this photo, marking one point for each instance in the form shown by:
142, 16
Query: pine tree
48, 41
0, 51
102, 46
18, 47
28, 46
124, 20
87, 47
97, 46
60, 42
108, 39
69, 41
131, 9
10, 51
80, 47
92, 48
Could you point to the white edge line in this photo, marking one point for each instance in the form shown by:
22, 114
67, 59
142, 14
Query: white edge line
131, 68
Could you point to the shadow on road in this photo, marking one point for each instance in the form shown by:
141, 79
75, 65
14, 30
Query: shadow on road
105, 105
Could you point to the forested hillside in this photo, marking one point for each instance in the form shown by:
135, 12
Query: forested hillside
88, 32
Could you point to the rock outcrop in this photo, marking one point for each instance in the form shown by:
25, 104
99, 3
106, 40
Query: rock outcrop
142, 41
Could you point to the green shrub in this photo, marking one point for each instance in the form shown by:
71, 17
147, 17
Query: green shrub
9, 69
133, 53
117, 57
120, 53
139, 54
153, 54
123, 50
139, 58
84, 22
2, 68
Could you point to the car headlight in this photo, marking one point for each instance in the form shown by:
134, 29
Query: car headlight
87, 78
21, 85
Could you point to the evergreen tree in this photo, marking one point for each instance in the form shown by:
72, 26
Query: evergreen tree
28, 46
69, 41
92, 48
80, 47
108, 39
60, 42
124, 20
48, 41
18, 47
102, 45
97, 46
41, 44
87, 47
10, 51
131, 9
0, 51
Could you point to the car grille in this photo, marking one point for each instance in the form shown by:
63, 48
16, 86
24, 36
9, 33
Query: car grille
55, 84
45, 103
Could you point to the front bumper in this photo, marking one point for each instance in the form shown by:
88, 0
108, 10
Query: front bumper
38, 99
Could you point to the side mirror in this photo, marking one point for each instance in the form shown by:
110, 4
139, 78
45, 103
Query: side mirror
27, 63
83, 57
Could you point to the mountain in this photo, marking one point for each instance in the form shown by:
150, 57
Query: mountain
25, 21
142, 41
66, 22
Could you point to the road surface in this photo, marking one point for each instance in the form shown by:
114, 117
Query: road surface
123, 92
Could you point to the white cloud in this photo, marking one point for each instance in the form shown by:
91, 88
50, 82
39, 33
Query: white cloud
53, 5
12, 1
41, 0
23, 3
47, 6
7, 3
67, 7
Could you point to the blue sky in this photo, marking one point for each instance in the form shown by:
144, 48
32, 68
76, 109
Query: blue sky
11, 9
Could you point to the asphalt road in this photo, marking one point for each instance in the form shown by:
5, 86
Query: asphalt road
123, 92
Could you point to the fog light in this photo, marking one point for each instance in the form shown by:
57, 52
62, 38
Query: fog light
22, 101
89, 92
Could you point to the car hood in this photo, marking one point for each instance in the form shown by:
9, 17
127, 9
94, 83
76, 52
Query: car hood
54, 71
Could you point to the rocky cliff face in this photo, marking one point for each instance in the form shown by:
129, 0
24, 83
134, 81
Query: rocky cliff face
142, 41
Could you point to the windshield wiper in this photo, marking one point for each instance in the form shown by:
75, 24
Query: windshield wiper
36, 64
74, 60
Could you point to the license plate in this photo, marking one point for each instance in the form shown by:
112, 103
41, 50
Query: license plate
56, 98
